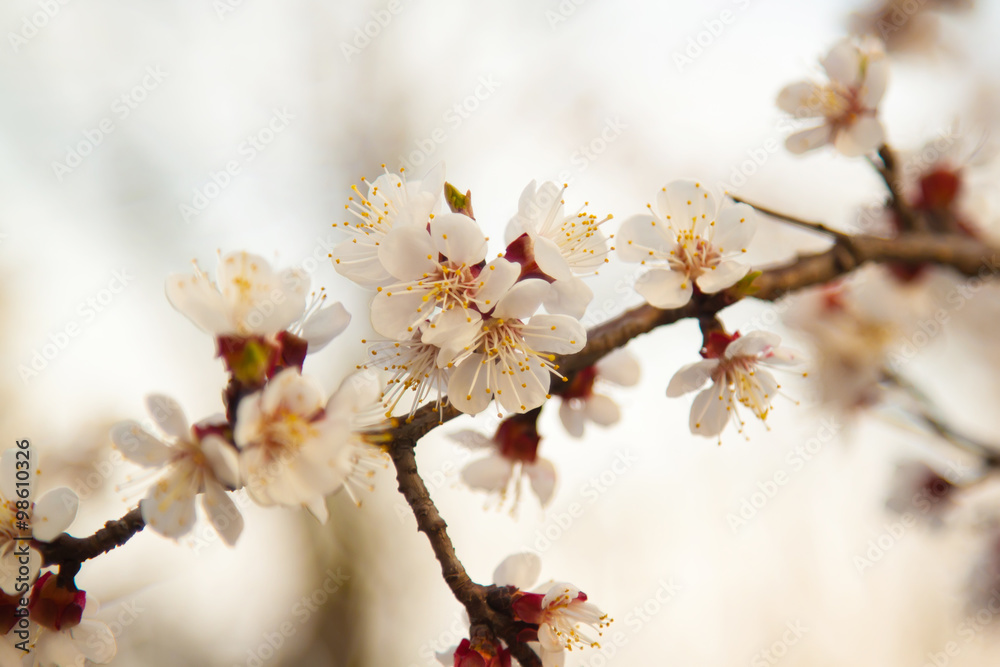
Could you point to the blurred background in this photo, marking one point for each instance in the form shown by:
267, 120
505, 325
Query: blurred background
136, 138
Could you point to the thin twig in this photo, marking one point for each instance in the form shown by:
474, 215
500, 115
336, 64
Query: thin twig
791, 219
888, 169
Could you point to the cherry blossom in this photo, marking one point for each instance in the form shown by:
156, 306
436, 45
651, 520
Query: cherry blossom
511, 359
513, 455
579, 402
477, 653
21, 516
847, 105
688, 242
64, 629
560, 611
197, 460
555, 246
734, 365
412, 367
251, 299
296, 447
392, 202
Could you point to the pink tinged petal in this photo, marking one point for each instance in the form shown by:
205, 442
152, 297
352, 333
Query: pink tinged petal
619, 367
471, 439
568, 297
459, 238
10, 565
602, 410
490, 474
721, 276
691, 377
518, 570
522, 300
53, 513
397, 314
8, 476
550, 259
807, 140
843, 63
572, 418
799, 99
752, 344
687, 203
467, 387
782, 357
560, 334
408, 253
357, 260
861, 138
317, 507
324, 325
138, 446
542, 475
222, 459
222, 513
497, 277
298, 394
168, 415
195, 297
552, 657
169, 507
876, 81
642, 237
95, 641
734, 229
664, 288
711, 411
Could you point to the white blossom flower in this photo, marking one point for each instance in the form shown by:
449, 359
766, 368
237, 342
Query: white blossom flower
438, 277
196, 464
858, 73
560, 611
296, 448
251, 299
391, 202
562, 247
735, 368
512, 357
688, 242
43, 520
512, 456
414, 374
579, 402
63, 629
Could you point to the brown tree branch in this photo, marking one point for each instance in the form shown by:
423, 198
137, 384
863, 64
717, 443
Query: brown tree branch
889, 171
67, 550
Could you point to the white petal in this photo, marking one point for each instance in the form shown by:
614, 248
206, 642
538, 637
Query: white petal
691, 377
324, 325
488, 474
222, 513
195, 297
806, 140
169, 507
560, 334
8, 476
641, 238
522, 300
396, 315
454, 331
408, 253
291, 391
734, 229
863, 137
876, 80
664, 288
843, 62
550, 259
222, 459
317, 507
467, 387
459, 238
357, 260
497, 278
782, 357
687, 203
168, 415
710, 411
568, 297
138, 446
54, 513
799, 99
10, 569
752, 344
602, 410
619, 367
542, 475
95, 641
572, 418
518, 570
722, 275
